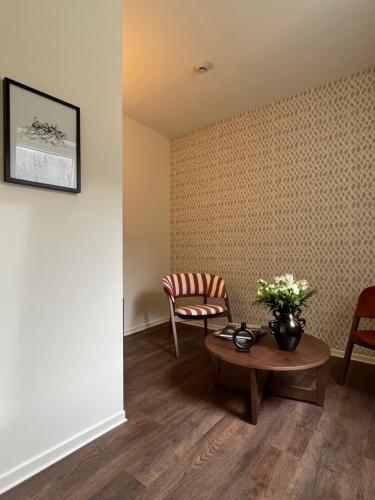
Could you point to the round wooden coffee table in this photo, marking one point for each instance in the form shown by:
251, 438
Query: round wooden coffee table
264, 358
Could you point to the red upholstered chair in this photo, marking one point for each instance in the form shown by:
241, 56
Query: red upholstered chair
365, 338
195, 285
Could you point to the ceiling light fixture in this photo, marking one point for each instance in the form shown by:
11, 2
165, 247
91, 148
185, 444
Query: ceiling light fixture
202, 67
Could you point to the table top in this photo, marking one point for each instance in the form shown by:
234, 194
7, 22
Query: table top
266, 355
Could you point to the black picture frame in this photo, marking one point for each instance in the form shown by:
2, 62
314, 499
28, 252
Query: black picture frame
7, 115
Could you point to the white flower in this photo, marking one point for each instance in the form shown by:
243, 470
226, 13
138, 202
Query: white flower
302, 284
295, 289
289, 279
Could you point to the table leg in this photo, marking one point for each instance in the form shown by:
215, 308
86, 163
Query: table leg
216, 368
321, 383
315, 395
254, 396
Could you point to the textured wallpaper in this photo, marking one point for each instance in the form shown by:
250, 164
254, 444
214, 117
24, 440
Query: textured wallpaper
289, 187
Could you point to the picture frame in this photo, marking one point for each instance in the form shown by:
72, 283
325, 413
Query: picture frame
41, 139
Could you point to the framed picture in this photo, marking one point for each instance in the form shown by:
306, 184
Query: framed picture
41, 139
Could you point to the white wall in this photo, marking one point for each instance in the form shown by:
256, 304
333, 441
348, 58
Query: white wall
146, 225
61, 254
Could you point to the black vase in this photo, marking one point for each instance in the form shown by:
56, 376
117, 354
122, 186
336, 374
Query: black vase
287, 328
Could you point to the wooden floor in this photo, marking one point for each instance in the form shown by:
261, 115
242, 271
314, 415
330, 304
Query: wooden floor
187, 439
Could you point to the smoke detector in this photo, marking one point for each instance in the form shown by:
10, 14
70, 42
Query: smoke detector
202, 67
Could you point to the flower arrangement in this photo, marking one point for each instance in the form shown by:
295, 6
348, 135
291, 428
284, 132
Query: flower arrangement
285, 294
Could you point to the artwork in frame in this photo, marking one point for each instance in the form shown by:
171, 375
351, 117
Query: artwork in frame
41, 139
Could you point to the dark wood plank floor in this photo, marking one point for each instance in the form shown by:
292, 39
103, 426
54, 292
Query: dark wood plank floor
187, 439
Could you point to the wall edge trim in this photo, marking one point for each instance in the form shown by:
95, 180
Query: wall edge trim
32, 466
211, 326
362, 358
337, 353
144, 326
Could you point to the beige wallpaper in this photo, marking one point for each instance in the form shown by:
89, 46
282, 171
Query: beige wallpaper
146, 225
285, 188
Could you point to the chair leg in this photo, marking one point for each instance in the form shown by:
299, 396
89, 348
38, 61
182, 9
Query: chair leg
229, 312
205, 327
170, 331
174, 331
348, 354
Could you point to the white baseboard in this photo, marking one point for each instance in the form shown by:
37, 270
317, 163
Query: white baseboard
211, 326
355, 357
362, 358
215, 326
144, 326
43, 460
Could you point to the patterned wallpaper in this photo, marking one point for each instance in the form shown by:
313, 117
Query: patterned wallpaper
289, 187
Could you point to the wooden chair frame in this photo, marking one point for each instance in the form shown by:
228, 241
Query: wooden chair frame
175, 318
362, 311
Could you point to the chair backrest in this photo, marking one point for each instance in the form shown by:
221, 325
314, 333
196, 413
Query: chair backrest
366, 303
194, 284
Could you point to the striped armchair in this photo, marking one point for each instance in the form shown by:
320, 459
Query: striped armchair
195, 285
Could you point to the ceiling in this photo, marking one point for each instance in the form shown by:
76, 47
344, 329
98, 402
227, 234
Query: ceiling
262, 51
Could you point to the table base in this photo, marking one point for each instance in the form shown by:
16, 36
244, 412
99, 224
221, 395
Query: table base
261, 380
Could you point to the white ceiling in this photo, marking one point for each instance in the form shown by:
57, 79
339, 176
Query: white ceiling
263, 50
